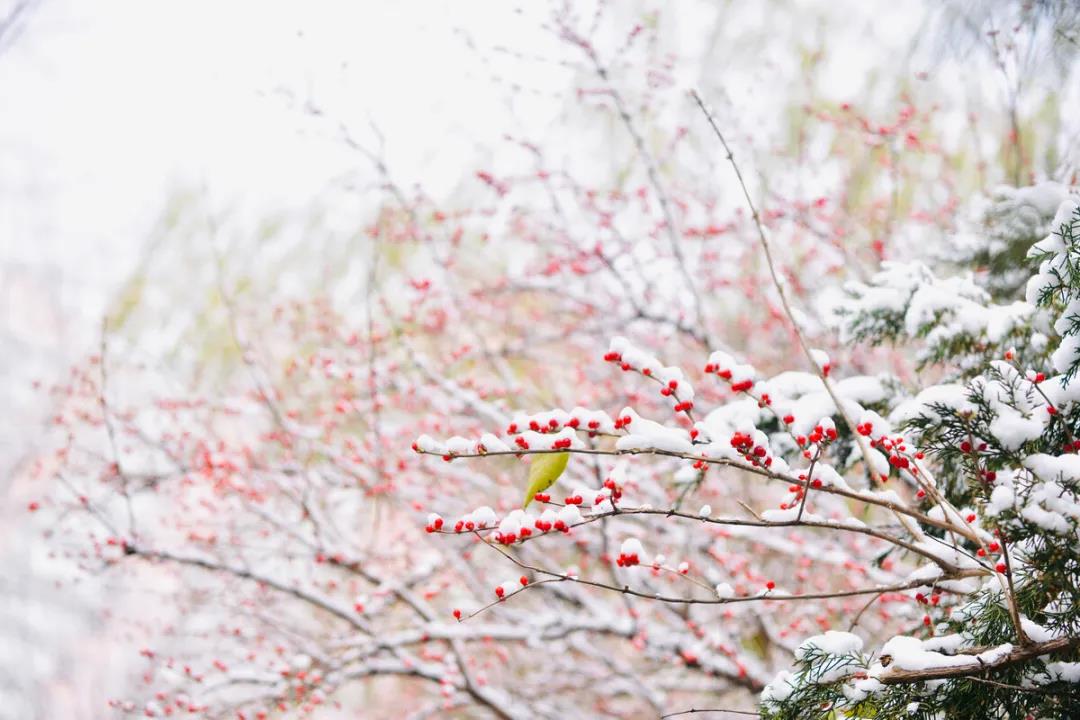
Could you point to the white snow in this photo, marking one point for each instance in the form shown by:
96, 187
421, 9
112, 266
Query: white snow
632, 546
483, 517
908, 653
951, 395
1064, 671
570, 515
1037, 632
780, 689
1012, 429
649, 435
831, 642
1049, 467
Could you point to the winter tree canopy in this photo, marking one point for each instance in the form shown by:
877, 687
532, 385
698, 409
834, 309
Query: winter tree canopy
687, 358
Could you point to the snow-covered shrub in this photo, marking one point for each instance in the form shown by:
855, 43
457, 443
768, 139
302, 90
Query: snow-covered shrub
971, 485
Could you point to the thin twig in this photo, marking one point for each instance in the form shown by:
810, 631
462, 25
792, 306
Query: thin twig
658, 597
691, 711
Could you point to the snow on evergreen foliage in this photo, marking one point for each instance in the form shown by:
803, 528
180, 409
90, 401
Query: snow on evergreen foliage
1002, 439
1006, 225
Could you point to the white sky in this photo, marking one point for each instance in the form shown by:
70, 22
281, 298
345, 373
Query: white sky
108, 106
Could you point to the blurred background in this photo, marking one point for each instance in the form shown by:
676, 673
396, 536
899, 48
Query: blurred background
145, 143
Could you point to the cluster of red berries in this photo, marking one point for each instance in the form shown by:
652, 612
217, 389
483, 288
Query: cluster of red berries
616, 358
725, 374
753, 454
669, 390
625, 560
615, 492
500, 592
545, 526
553, 425
934, 599
896, 449
822, 433
511, 538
